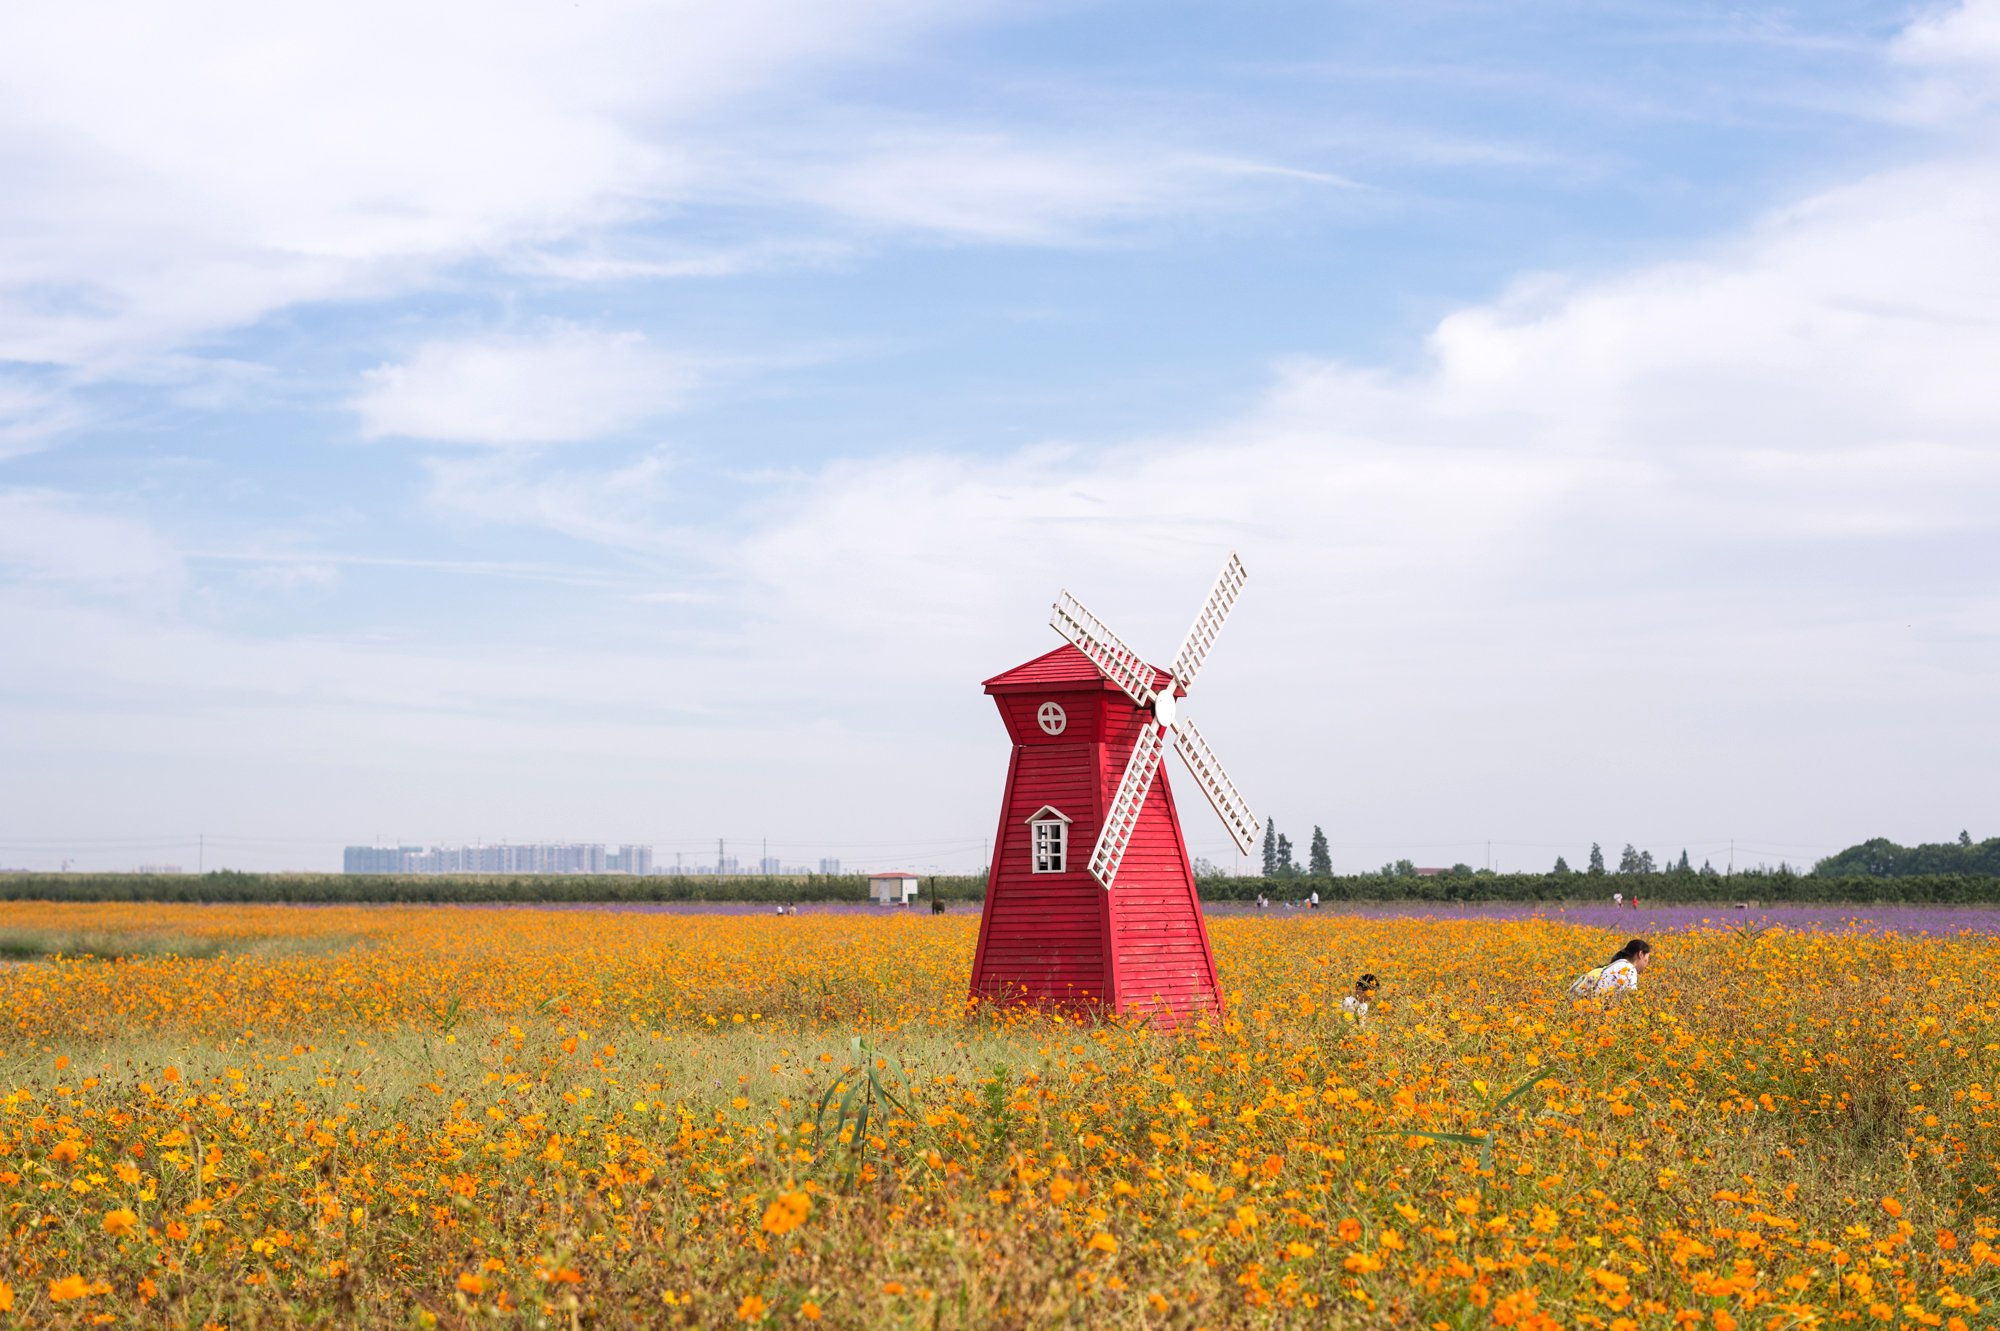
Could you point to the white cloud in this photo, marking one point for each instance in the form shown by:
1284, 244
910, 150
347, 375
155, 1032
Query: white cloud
1953, 54
1726, 515
32, 413
293, 577
624, 508
175, 174
1001, 188
556, 387
57, 540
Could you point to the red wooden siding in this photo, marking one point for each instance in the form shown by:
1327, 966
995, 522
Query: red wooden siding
1060, 938
1043, 933
1158, 936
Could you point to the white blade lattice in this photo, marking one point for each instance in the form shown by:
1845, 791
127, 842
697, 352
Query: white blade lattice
1201, 637
1120, 664
1230, 806
1123, 816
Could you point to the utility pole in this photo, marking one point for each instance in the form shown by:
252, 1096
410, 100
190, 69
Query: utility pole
718, 855
1732, 859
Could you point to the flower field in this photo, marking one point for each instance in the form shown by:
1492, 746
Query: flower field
271, 1116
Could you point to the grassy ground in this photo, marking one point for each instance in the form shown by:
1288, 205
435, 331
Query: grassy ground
416, 1117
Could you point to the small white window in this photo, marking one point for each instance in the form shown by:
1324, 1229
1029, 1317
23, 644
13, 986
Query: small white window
1048, 834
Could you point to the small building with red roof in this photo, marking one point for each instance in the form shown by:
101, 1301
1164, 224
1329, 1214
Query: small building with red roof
893, 887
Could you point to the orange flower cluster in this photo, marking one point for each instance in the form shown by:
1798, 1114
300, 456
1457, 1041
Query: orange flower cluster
382, 1117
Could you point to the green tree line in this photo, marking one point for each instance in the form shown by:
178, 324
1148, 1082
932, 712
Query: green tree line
1390, 884
1883, 858
334, 888
1465, 885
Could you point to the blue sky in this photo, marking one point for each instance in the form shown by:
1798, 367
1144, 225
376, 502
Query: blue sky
629, 423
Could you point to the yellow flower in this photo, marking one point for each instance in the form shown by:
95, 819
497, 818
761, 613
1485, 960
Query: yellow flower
120, 1222
468, 1283
1101, 1242
751, 1309
809, 1310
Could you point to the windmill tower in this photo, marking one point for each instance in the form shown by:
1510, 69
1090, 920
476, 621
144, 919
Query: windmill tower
1118, 924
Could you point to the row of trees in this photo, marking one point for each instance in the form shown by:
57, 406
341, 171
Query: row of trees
1632, 860
1278, 861
1765, 887
227, 886
1883, 858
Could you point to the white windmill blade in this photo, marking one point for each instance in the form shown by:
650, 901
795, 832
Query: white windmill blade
1123, 816
1106, 650
1201, 637
1230, 806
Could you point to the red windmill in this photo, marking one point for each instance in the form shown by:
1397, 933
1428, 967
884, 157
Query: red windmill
1090, 723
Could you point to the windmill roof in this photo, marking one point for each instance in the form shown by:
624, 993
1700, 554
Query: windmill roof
1064, 665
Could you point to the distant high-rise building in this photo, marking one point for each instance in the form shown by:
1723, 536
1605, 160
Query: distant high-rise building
629, 859
377, 859
829, 866
546, 857
769, 865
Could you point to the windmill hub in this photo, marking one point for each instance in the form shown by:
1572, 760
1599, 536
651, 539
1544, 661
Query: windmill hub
1163, 707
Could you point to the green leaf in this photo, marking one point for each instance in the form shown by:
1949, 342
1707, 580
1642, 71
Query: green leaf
1461, 1138
1519, 1091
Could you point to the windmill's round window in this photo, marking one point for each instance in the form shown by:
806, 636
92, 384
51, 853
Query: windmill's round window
1051, 718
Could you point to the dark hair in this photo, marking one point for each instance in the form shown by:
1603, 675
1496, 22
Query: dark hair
1368, 983
1634, 948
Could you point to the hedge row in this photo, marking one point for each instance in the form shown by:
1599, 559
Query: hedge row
330, 889
1765, 888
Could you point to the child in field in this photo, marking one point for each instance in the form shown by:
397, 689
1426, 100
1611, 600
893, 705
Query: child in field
1618, 976
1355, 1005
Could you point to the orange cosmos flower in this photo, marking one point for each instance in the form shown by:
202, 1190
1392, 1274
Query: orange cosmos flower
787, 1213
69, 1287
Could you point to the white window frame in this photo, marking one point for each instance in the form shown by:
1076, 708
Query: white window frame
1048, 841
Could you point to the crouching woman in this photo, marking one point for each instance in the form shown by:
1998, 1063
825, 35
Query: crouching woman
1618, 976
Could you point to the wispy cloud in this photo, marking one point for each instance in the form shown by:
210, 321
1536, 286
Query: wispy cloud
511, 390
1953, 55
626, 508
69, 543
171, 176
1001, 187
